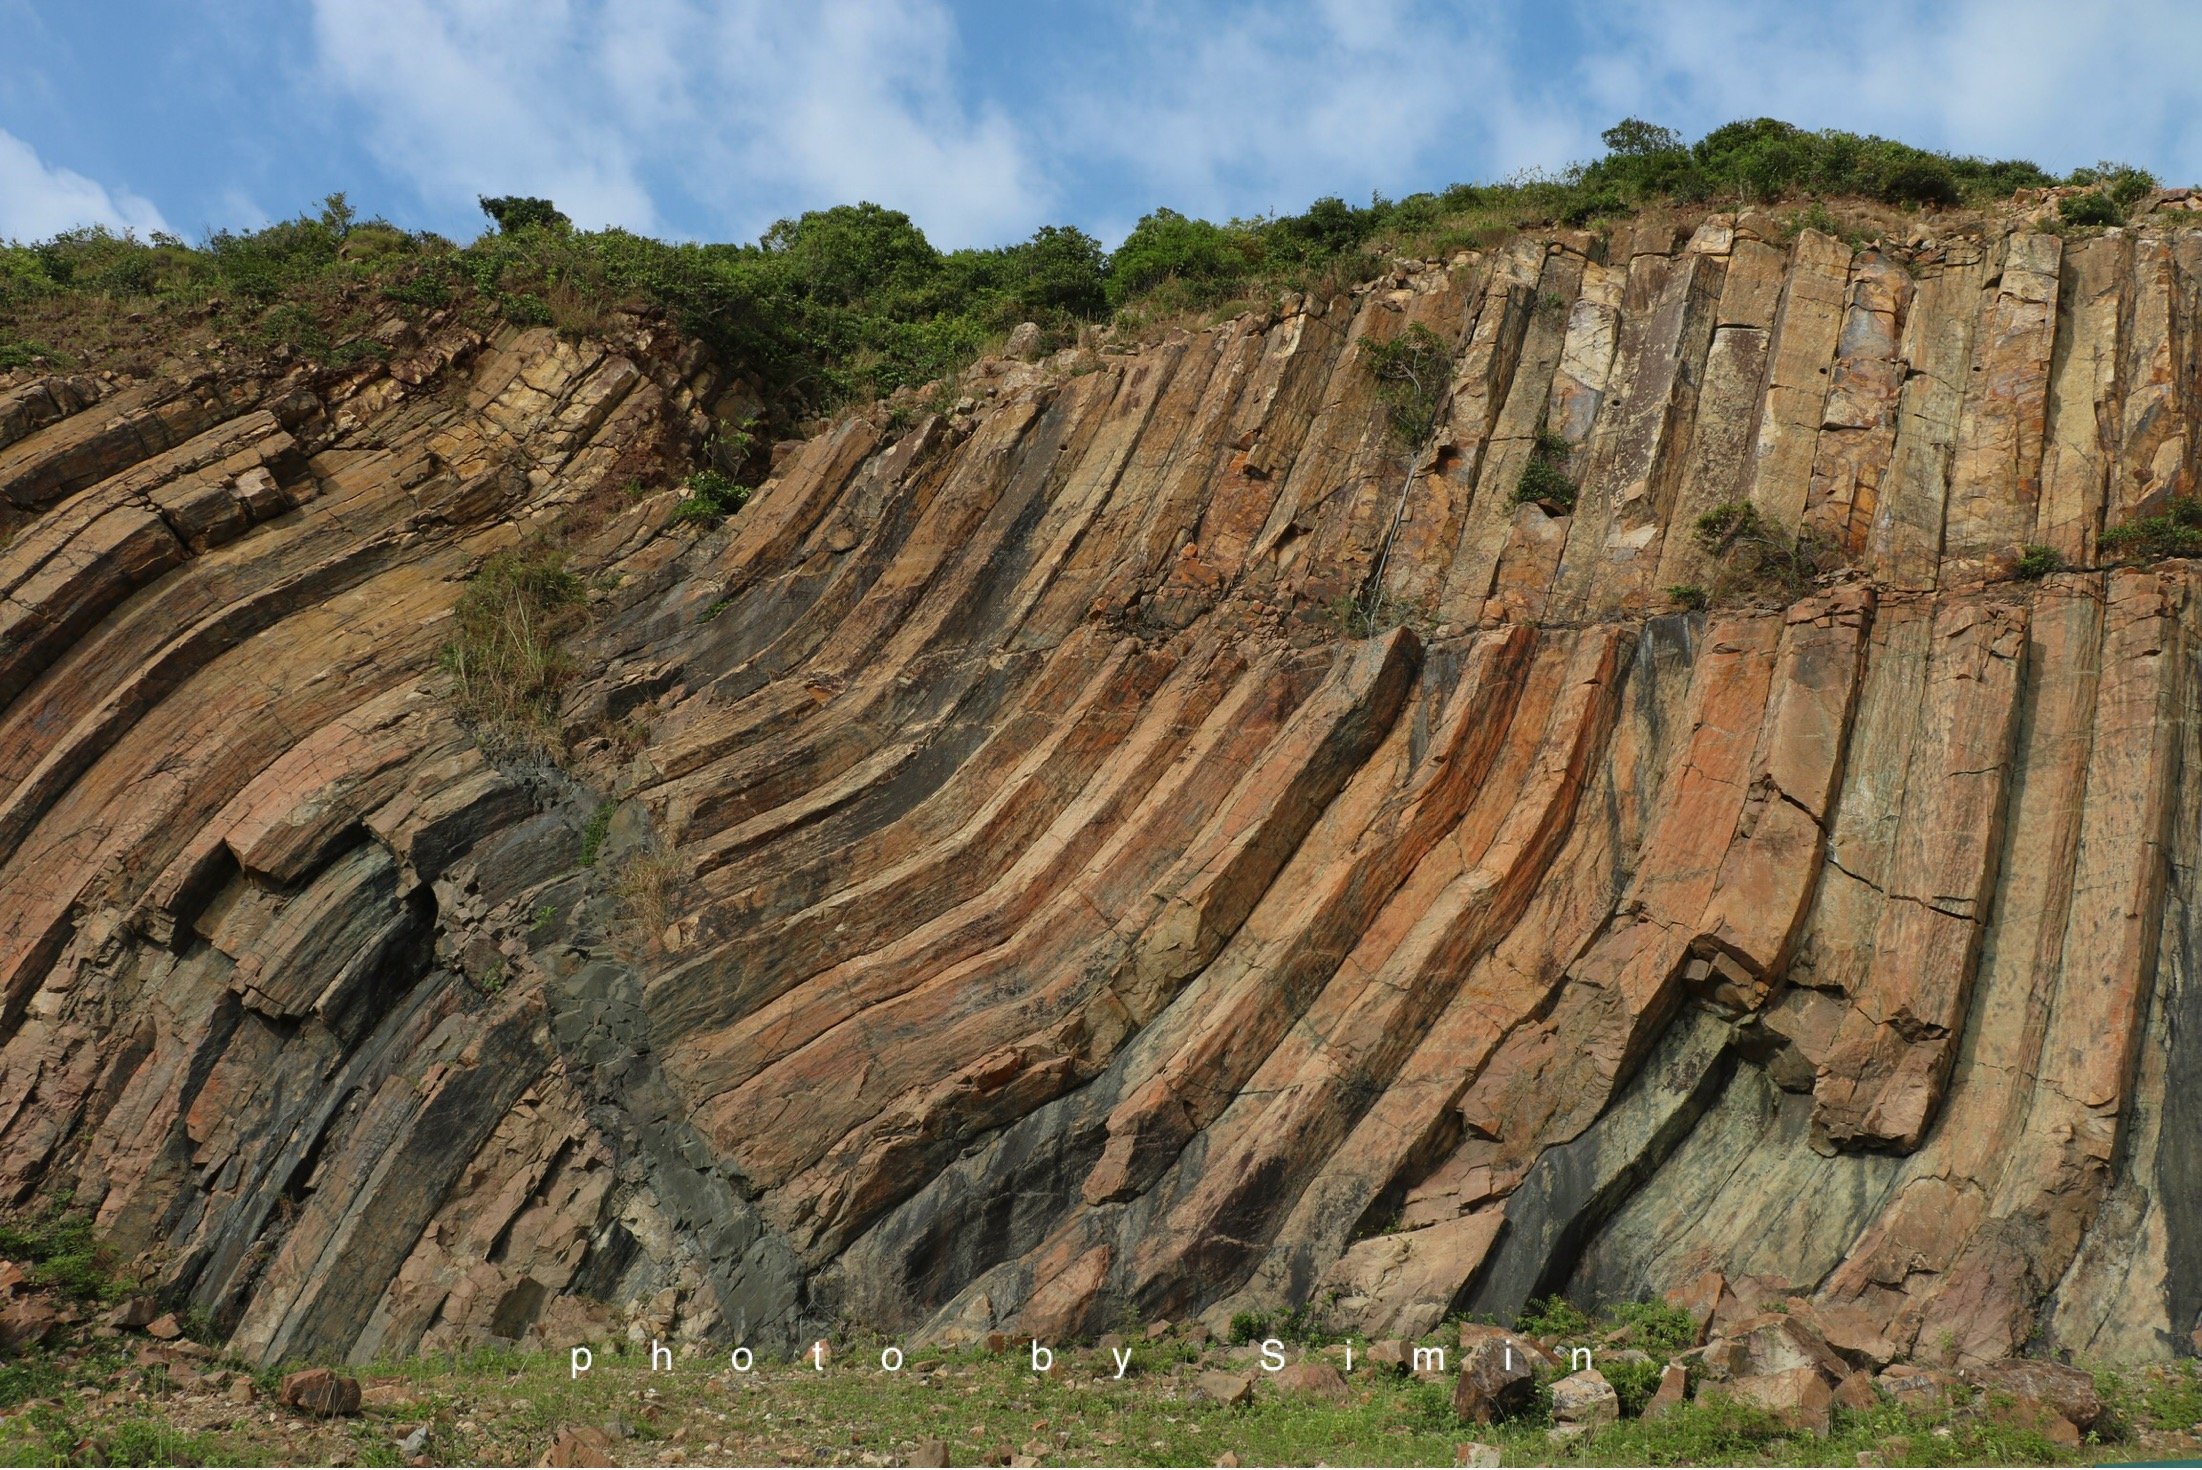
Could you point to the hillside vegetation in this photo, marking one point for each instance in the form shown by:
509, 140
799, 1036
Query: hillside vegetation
849, 303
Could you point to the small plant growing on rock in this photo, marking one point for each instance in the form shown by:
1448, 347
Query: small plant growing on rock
505, 657
2176, 530
1757, 558
2036, 562
1688, 596
711, 496
2092, 208
1544, 482
1411, 372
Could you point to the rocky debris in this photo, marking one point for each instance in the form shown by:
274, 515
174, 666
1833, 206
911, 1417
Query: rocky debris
1389, 1353
1477, 1455
27, 1322
1857, 1392
1496, 1380
2069, 1392
1225, 1388
1673, 1391
583, 1444
133, 1314
1310, 1379
932, 1452
1799, 1396
1585, 1399
320, 1392
1916, 1387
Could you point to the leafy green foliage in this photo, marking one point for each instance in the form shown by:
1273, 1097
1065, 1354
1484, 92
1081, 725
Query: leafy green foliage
506, 657
852, 303
58, 1243
514, 213
1656, 1327
1688, 596
1553, 1316
1544, 480
2176, 530
1756, 558
1411, 371
2092, 208
711, 497
1764, 158
2036, 561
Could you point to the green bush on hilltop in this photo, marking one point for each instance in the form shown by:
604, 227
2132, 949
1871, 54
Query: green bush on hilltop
846, 304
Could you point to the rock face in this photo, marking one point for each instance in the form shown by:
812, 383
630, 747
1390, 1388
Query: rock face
1000, 880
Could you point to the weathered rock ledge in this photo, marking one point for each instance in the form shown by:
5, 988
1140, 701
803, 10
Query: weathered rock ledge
1055, 908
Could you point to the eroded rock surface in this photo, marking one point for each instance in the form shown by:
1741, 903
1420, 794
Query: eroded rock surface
999, 881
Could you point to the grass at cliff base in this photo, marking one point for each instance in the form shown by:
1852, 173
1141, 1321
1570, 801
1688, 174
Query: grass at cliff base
119, 1403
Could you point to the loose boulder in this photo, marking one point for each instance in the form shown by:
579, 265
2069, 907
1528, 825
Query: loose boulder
319, 1392
1585, 1399
1496, 1381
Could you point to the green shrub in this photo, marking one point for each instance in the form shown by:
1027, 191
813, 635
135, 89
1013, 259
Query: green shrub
2092, 208
1755, 558
57, 1242
1553, 1316
1411, 372
1206, 262
1656, 1327
2036, 561
1249, 1326
514, 213
1632, 1381
711, 497
505, 655
2176, 530
1688, 596
1544, 482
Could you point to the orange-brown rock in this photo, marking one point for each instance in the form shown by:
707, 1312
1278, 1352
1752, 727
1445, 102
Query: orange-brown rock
1147, 842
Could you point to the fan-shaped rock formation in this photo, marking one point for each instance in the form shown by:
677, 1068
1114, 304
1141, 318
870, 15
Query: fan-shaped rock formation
1147, 840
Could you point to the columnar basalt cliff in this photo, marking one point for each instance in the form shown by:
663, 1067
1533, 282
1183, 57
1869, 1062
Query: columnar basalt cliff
1148, 841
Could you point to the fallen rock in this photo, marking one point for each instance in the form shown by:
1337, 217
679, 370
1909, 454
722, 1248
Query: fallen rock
165, 1327
1915, 1387
27, 1322
1390, 1353
1585, 1398
1496, 1381
1857, 1392
319, 1392
11, 1279
1156, 1331
1477, 1455
583, 1444
1472, 1333
1673, 1390
134, 1313
2068, 1391
415, 1443
1776, 1343
1799, 1397
930, 1452
241, 1391
1225, 1388
1311, 1379
1854, 1335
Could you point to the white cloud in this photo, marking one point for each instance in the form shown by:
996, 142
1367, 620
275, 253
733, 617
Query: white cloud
480, 98
2044, 79
37, 200
614, 110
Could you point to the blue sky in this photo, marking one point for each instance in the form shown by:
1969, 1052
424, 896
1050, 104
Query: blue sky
711, 118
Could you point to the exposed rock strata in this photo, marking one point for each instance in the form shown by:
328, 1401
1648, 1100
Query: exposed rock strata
1055, 905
